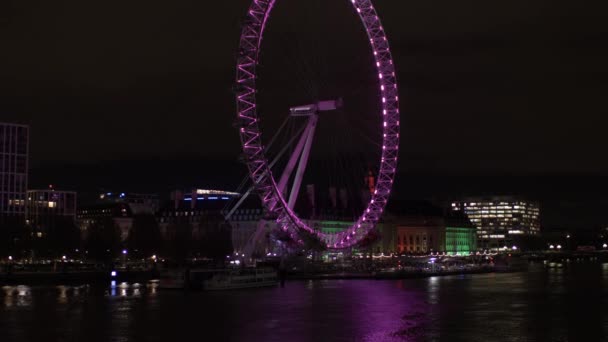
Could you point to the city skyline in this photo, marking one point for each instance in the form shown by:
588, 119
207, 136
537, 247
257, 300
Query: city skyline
568, 201
95, 124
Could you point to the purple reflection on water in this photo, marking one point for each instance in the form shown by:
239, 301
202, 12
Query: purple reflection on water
545, 304
337, 310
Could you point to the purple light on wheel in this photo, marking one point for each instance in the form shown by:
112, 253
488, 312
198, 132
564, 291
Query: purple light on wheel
259, 170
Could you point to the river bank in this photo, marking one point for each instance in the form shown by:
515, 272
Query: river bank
104, 276
397, 274
79, 277
96, 277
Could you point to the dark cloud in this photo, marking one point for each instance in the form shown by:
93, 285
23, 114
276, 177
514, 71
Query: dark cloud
500, 87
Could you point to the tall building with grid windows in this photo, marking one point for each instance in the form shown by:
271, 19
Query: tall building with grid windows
500, 220
14, 149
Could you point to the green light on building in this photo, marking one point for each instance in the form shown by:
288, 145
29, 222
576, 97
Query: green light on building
460, 241
331, 227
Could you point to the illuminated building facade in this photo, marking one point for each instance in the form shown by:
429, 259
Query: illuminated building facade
420, 235
14, 149
460, 234
499, 220
460, 240
45, 208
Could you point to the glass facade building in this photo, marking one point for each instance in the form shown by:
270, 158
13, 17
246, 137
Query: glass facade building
499, 220
14, 150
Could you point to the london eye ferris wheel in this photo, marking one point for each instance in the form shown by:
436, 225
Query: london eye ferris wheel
278, 166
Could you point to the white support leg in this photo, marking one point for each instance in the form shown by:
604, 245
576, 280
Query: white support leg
295, 156
297, 183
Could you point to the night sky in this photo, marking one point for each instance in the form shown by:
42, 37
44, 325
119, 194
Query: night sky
488, 88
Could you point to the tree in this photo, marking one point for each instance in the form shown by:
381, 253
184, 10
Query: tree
13, 236
145, 238
368, 241
312, 242
288, 241
62, 235
217, 239
103, 241
214, 237
179, 242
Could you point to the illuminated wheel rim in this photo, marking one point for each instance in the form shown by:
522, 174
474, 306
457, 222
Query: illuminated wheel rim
253, 149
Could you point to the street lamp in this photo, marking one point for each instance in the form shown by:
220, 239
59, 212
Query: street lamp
605, 246
514, 248
10, 258
124, 257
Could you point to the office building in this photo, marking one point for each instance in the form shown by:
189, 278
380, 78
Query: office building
117, 215
14, 149
500, 220
138, 203
199, 208
45, 208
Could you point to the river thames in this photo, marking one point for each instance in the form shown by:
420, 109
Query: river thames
544, 304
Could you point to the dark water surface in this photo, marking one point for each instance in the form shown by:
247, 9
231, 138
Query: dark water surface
567, 304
